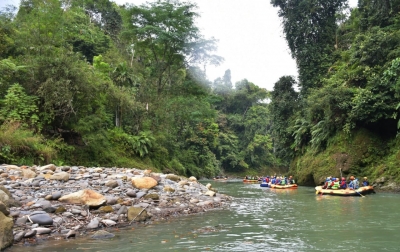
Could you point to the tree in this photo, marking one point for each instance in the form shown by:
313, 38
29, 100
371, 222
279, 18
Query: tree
310, 28
284, 104
166, 39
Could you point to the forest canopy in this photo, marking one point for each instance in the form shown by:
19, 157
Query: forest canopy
97, 84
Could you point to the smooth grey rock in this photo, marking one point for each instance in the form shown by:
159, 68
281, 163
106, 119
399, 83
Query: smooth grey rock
122, 210
93, 224
140, 194
75, 211
111, 200
131, 193
21, 221
41, 218
18, 236
50, 209
15, 213
101, 234
56, 195
30, 234
42, 230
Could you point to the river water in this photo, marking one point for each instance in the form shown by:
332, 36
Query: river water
262, 219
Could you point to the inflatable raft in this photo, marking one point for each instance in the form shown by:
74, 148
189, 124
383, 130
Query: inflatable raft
292, 186
345, 192
220, 179
251, 181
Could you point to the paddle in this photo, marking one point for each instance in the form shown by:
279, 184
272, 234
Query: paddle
359, 193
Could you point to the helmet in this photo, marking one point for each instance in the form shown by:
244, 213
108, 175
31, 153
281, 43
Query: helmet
343, 178
365, 178
351, 177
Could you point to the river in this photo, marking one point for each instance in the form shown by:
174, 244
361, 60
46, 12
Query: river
262, 219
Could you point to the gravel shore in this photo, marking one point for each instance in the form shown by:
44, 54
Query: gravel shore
63, 202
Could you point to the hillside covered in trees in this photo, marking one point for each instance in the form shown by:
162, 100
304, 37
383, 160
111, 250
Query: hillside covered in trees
96, 84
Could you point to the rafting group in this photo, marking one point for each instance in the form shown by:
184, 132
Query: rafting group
279, 182
252, 179
334, 183
336, 186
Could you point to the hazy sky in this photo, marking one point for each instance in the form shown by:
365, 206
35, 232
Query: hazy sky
250, 39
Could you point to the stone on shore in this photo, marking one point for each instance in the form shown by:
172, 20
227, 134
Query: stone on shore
6, 231
42, 230
173, 177
93, 224
112, 183
70, 201
51, 167
101, 234
84, 197
41, 218
144, 183
137, 214
62, 176
4, 209
4, 197
28, 173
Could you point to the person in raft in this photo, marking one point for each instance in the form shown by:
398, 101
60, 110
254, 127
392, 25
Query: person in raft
365, 182
291, 180
328, 181
331, 183
343, 184
354, 184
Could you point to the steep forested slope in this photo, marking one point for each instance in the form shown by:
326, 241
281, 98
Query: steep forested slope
346, 116
96, 84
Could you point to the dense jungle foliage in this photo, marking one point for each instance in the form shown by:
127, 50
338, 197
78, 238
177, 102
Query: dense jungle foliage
92, 83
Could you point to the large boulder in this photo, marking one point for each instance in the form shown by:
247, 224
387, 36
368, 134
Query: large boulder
51, 167
28, 173
4, 197
12, 167
6, 231
62, 176
4, 209
7, 199
84, 197
173, 177
144, 183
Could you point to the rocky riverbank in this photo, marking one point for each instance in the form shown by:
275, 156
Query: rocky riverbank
49, 202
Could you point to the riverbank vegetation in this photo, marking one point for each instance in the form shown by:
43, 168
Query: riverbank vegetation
97, 84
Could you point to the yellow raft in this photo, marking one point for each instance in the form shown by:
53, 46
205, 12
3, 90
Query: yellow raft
345, 192
291, 186
251, 181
